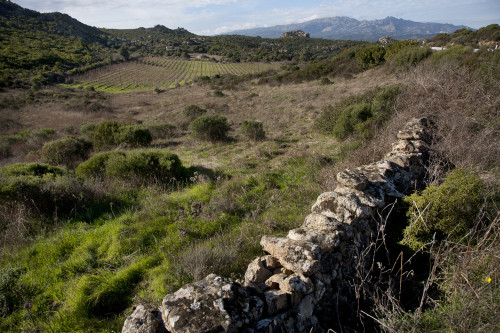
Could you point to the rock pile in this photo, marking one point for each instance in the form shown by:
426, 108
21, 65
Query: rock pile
301, 281
296, 33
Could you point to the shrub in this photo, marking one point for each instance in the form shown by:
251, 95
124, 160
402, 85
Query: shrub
134, 136
193, 111
370, 56
162, 130
453, 53
138, 165
106, 134
350, 118
96, 165
254, 130
397, 47
445, 210
87, 129
43, 189
68, 151
411, 56
210, 128
360, 114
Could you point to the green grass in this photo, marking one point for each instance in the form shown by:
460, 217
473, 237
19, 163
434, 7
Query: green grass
85, 275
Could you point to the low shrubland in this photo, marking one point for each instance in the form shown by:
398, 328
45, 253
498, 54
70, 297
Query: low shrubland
67, 151
253, 130
360, 115
136, 166
128, 226
210, 128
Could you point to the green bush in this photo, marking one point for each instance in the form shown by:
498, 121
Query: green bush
87, 129
193, 111
254, 130
68, 151
360, 114
96, 165
411, 56
370, 56
453, 53
397, 47
43, 189
139, 165
210, 128
134, 136
106, 134
447, 210
350, 118
162, 130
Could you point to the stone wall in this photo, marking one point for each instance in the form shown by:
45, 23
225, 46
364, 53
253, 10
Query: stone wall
301, 286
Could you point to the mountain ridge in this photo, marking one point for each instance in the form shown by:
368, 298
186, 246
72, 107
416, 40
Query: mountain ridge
343, 27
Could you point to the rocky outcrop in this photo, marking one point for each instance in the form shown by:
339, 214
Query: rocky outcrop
296, 33
302, 282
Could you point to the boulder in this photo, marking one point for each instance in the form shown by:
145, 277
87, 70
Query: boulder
257, 272
297, 256
276, 300
210, 305
144, 319
326, 239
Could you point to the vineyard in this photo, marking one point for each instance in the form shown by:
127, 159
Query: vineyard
151, 73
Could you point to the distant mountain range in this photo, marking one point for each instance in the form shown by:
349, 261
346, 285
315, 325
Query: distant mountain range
341, 27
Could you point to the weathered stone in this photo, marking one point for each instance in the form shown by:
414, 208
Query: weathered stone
405, 147
320, 222
276, 301
144, 319
416, 129
256, 272
210, 305
298, 256
272, 263
274, 281
297, 284
274, 325
326, 239
326, 205
353, 178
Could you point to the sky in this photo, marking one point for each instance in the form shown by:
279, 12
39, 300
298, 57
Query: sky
210, 17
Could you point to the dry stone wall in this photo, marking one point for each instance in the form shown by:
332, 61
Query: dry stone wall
301, 284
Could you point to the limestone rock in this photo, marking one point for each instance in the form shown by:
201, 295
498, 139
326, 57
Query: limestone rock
353, 178
297, 284
276, 300
210, 305
416, 129
320, 222
298, 256
256, 272
272, 263
144, 319
274, 281
326, 239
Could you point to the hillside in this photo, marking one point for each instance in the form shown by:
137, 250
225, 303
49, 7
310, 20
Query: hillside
341, 27
39, 49
108, 200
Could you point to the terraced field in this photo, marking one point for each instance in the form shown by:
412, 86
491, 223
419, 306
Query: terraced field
154, 72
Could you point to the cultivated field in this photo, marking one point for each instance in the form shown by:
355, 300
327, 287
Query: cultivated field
151, 73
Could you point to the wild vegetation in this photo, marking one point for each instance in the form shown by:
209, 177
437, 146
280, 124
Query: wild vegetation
111, 199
